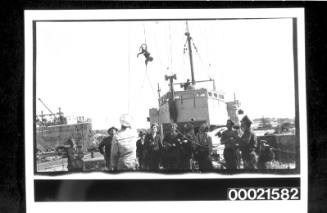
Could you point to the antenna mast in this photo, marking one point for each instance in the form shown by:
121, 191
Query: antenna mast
189, 38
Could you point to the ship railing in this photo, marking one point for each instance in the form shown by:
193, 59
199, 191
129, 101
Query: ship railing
187, 94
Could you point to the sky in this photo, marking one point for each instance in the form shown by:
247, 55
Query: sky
91, 69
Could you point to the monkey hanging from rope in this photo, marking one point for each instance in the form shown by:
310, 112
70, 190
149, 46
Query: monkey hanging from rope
143, 51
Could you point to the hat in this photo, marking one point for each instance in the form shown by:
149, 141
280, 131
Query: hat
246, 120
141, 133
112, 128
240, 112
154, 124
126, 120
173, 125
188, 126
230, 122
204, 127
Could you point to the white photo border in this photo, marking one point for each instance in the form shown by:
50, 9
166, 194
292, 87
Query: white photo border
31, 16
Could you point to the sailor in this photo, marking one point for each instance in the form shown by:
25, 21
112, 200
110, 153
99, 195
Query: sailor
152, 147
171, 144
140, 152
248, 144
123, 148
230, 139
105, 145
203, 148
186, 147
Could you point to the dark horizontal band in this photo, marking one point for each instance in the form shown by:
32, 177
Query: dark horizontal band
149, 190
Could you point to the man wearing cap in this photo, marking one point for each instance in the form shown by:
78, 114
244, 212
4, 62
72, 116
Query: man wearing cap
105, 145
152, 146
123, 148
248, 144
230, 138
140, 152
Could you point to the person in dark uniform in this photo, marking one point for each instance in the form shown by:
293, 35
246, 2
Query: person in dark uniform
69, 146
266, 154
186, 147
248, 144
140, 153
203, 148
105, 145
78, 159
152, 147
171, 143
230, 139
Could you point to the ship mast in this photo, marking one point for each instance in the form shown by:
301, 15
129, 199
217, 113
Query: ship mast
187, 33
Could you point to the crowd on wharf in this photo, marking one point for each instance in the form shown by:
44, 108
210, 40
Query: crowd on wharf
126, 149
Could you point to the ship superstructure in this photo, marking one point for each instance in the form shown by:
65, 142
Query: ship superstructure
193, 104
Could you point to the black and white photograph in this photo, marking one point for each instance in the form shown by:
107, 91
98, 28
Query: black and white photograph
166, 93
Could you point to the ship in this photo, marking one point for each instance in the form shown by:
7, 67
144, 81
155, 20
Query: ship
193, 104
54, 129
197, 105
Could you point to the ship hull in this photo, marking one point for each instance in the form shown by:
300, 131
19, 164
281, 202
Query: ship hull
50, 137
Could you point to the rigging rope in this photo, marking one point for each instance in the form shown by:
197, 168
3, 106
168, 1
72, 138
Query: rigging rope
129, 70
144, 33
196, 50
171, 52
207, 50
146, 69
153, 92
159, 58
193, 141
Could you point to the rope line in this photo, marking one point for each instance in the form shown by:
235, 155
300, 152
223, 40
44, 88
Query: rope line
144, 33
171, 52
159, 58
129, 70
193, 141
146, 73
196, 50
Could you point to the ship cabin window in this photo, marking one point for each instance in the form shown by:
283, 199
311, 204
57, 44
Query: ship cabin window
209, 93
200, 94
215, 94
221, 96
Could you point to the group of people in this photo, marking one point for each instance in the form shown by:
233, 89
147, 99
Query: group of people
175, 150
242, 146
125, 149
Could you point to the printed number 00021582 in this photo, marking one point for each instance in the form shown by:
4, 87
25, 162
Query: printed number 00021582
274, 193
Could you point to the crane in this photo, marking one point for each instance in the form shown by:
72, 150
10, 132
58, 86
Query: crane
51, 113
